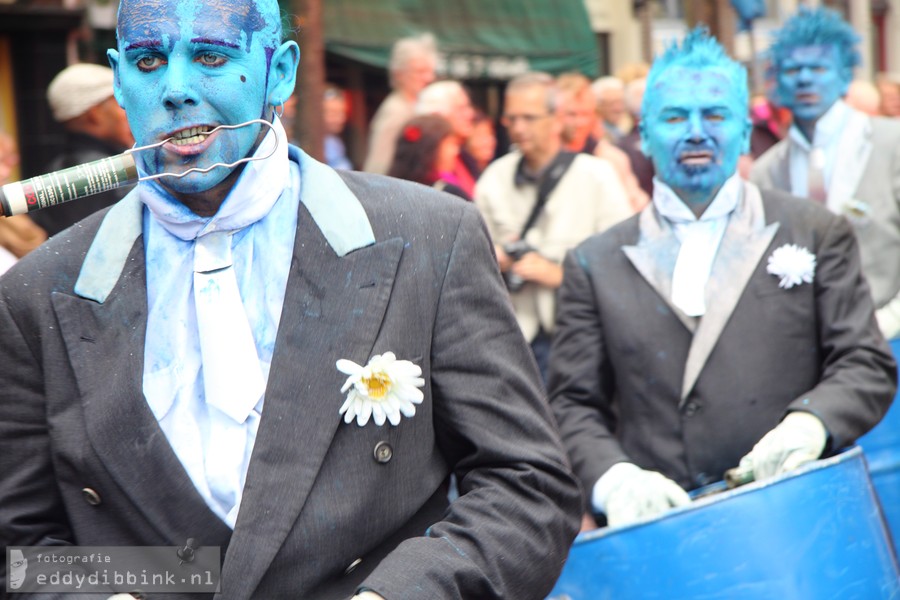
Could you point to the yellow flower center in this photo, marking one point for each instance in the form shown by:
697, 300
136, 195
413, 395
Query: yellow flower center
377, 385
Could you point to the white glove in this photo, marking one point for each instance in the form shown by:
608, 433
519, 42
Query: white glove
889, 319
627, 493
798, 439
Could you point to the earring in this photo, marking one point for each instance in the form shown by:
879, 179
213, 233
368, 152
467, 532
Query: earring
281, 106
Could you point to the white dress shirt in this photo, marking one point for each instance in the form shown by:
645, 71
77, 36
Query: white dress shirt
826, 138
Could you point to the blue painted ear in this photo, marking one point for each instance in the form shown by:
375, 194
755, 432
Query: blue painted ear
113, 57
283, 73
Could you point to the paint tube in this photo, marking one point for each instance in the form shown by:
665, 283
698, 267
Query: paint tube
69, 184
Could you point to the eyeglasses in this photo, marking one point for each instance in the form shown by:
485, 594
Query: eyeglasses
509, 120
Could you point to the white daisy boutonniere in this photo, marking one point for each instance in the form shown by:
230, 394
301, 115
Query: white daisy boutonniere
793, 265
383, 389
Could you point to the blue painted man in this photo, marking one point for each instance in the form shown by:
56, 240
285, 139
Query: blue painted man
270, 357
834, 154
721, 326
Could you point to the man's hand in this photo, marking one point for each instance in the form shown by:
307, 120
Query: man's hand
534, 267
628, 493
798, 439
504, 260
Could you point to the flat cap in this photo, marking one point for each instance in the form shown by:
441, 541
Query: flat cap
77, 88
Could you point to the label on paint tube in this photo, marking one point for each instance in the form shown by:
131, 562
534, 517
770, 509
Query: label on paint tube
68, 184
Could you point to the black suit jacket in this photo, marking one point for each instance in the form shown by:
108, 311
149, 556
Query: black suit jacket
634, 379
322, 513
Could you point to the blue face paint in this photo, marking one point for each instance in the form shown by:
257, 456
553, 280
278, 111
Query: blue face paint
694, 129
184, 67
810, 80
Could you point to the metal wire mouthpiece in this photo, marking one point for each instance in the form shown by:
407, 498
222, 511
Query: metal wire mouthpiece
246, 159
99, 176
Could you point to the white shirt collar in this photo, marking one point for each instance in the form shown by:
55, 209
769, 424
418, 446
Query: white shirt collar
675, 210
828, 127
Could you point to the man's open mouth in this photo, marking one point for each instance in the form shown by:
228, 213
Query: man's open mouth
696, 157
191, 135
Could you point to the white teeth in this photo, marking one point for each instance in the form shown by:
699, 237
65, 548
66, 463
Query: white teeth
192, 135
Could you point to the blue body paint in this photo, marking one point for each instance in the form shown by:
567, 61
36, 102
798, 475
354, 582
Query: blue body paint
695, 123
202, 63
813, 57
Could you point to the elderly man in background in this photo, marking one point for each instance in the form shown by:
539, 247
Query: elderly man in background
835, 155
630, 143
412, 65
610, 94
81, 99
450, 100
722, 326
576, 105
539, 201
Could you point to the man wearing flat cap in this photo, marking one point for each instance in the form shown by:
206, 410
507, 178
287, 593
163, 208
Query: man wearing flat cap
81, 100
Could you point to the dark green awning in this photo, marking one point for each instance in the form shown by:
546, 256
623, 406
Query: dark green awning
479, 39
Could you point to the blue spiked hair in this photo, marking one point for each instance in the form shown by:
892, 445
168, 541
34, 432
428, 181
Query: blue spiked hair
699, 50
816, 27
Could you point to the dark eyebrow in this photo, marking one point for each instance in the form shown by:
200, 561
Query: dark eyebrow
203, 40
144, 44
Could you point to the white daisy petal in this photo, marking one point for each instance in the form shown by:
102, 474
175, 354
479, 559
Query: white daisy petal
363, 413
378, 413
348, 367
346, 404
408, 409
394, 418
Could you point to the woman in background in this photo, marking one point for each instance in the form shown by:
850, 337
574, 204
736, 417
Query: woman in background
426, 152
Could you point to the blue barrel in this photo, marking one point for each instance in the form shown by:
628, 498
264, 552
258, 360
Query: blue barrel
816, 532
882, 449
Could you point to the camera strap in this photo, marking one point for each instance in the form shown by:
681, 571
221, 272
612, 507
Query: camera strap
546, 183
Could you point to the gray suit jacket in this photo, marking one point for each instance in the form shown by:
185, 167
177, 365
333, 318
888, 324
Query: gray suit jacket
634, 379
867, 170
379, 265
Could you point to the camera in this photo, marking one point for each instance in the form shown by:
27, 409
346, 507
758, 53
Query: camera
515, 250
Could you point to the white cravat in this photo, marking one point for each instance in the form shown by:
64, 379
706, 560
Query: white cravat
700, 239
232, 378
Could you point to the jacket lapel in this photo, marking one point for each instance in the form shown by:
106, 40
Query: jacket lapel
654, 258
853, 155
743, 245
336, 297
109, 314
780, 174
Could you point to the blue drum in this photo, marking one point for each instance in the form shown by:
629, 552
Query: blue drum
816, 532
882, 449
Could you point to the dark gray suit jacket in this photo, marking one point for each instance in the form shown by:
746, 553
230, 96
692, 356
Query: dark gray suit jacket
634, 379
72, 413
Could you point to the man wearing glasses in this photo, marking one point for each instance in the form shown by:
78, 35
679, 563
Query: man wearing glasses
539, 201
